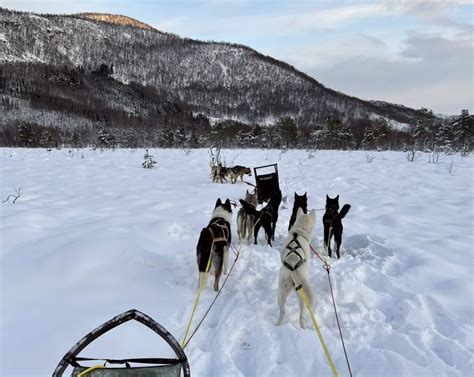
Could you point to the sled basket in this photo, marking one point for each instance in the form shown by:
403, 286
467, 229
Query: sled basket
267, 183
156, 367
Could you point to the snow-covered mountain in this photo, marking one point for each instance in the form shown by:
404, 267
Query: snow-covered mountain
220, 80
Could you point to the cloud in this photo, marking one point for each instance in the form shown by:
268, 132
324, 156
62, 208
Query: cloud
429, 71
55, 6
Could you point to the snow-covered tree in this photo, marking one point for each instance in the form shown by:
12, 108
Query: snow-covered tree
105, 138
377, 135
46, 139
166, 138
26, 135
148, 162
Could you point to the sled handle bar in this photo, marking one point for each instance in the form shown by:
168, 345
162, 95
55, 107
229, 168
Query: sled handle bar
134, 314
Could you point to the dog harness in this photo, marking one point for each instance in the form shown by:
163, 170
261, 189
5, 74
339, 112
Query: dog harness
294, 246
294, 259
219, 230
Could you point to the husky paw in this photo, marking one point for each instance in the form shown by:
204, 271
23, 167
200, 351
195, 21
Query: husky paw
280, 321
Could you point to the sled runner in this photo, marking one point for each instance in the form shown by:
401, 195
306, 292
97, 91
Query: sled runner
267, 183
156, 367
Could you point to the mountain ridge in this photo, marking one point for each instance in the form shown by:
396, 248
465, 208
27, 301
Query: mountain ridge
221, 80
117, 19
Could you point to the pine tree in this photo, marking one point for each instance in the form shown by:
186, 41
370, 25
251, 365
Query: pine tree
166, 138
193, 140
106, 139
288, 131
148, 162
419, 134
377, 135
46, 140
180, 137
333, 135
25, 135
76, 139
128, 139
463, 133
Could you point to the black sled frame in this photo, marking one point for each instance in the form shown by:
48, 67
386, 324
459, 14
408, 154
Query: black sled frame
161, 367
267, 184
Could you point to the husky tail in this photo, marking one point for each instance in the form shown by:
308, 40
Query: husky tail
344, 210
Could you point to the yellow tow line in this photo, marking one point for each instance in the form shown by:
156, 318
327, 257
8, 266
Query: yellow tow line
196, 301
88, 370
303, 296
204, 283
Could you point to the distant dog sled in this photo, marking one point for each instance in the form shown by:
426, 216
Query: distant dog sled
267, 182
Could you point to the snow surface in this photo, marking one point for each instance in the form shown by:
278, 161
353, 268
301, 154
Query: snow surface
92, 237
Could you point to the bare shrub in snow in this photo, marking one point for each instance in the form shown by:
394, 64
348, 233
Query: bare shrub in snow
369, 157
450, 167
433, 157
412, 156
187, 151
15, 196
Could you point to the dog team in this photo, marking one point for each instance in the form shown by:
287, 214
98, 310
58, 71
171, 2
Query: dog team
219, 173
215, 239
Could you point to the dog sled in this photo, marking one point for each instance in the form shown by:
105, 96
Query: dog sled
267, 182
155, 367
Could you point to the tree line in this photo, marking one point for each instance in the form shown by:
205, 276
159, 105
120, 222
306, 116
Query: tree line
446, 136
49, 106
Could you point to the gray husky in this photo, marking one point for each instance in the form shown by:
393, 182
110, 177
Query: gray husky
245, 220
295, 255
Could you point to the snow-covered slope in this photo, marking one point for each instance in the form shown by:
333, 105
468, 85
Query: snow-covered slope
93, 234
218, 79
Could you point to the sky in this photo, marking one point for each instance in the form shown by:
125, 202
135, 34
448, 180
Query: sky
415, 53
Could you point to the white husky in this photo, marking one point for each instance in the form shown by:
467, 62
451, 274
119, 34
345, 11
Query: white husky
295, 257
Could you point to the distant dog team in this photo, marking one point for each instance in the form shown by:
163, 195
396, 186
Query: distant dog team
220, 173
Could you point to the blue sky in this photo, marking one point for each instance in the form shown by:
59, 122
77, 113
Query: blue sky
415, 53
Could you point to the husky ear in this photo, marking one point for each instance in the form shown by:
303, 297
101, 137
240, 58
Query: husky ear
299, 212
227, 204
296, 195
305, 193
337, 197
218, 203
327, 197
247, 192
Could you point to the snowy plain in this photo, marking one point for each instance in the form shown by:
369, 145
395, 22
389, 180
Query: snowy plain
94, 234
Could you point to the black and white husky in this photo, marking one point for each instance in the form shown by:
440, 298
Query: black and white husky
214, 242
294, 255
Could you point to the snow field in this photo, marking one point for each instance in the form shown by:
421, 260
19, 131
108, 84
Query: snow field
92, 237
